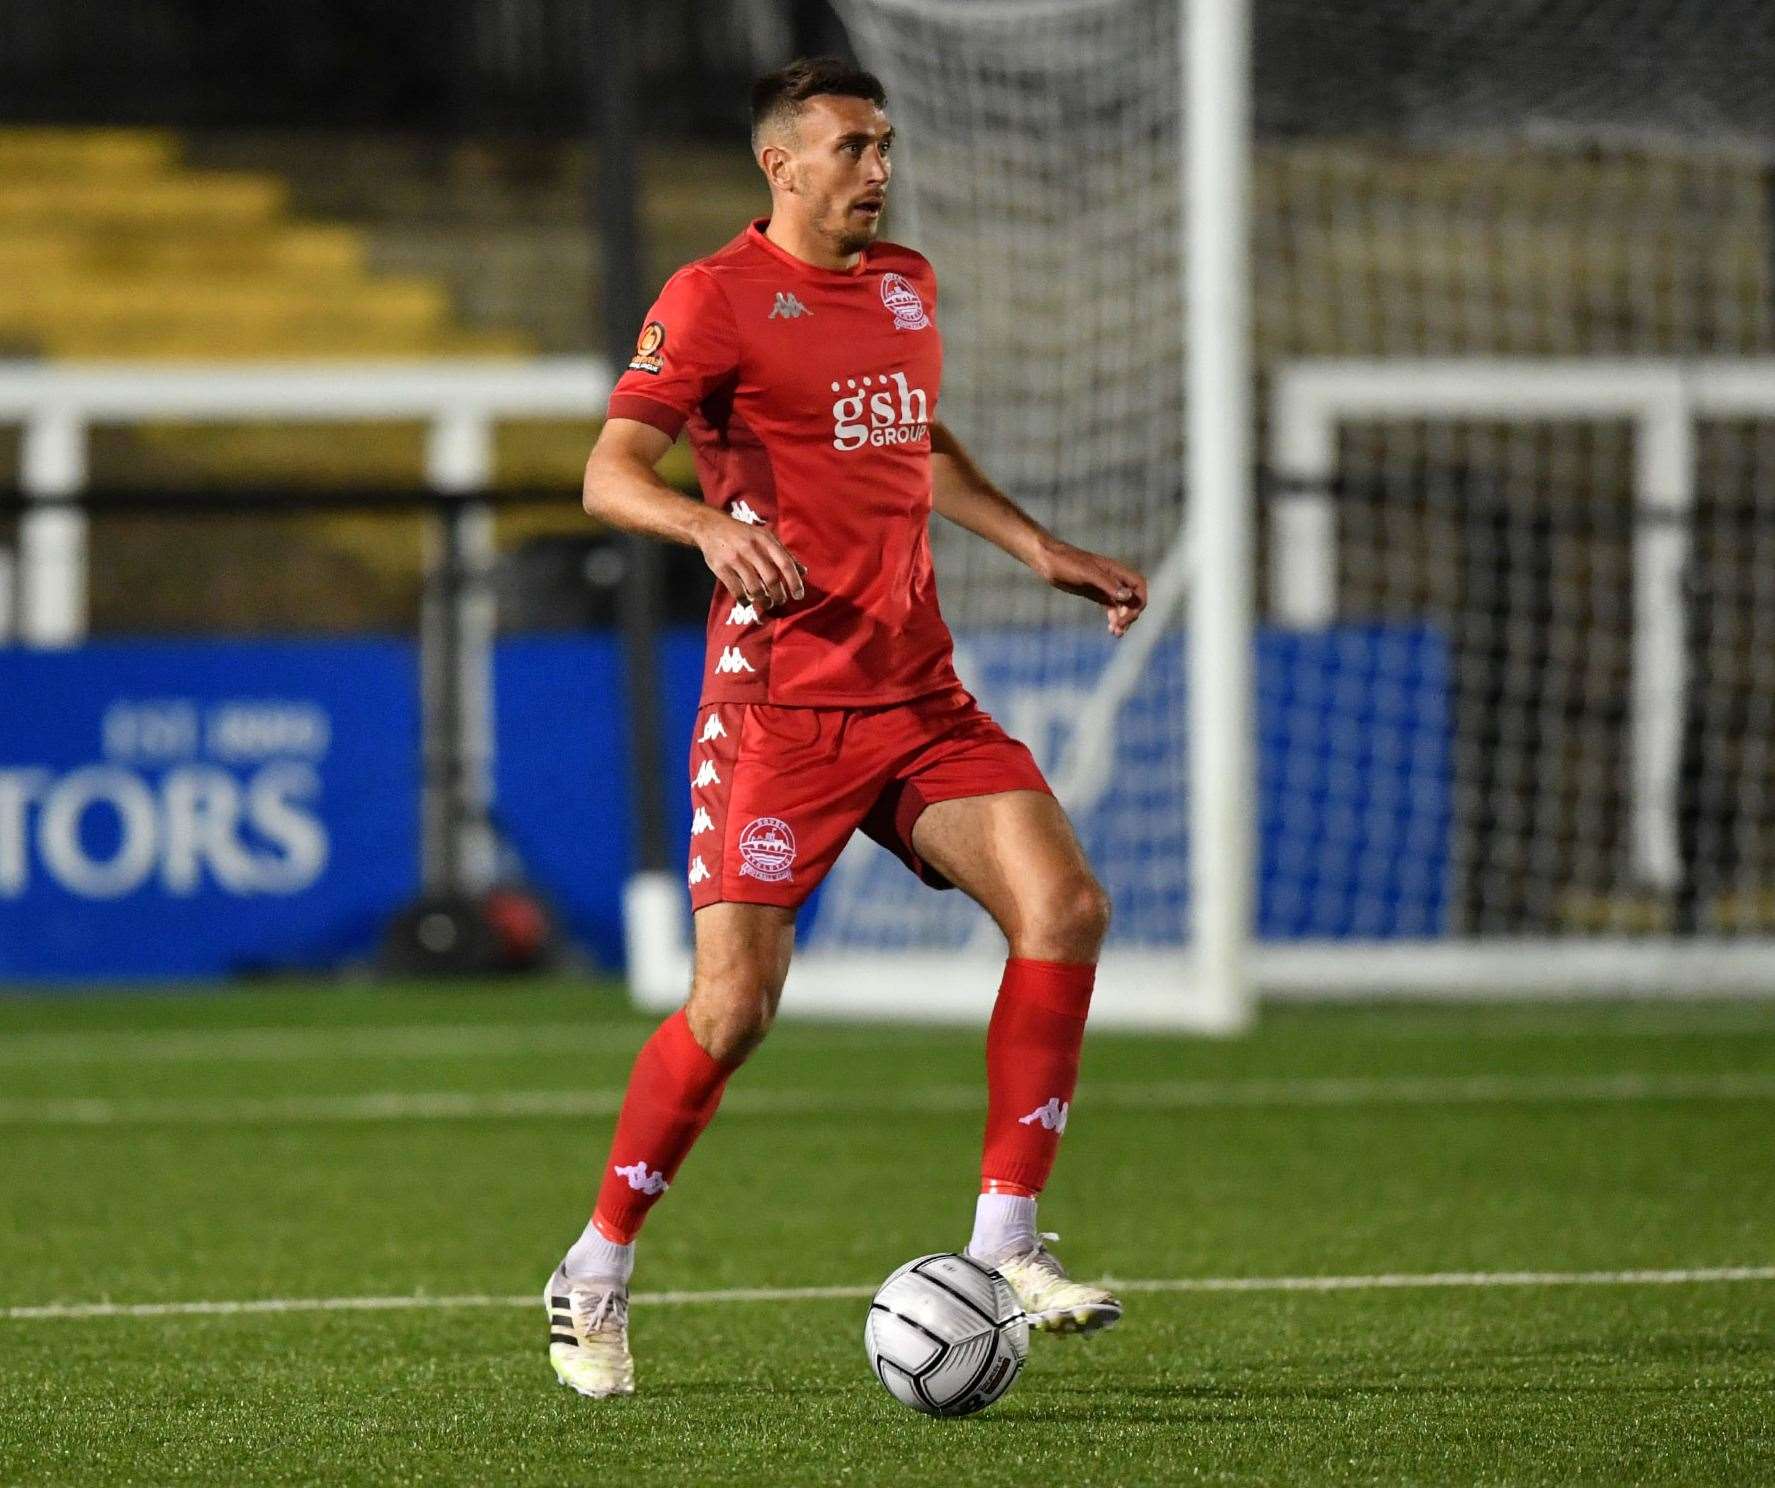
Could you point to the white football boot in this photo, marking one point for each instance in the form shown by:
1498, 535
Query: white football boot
589, 1336
1052, 1300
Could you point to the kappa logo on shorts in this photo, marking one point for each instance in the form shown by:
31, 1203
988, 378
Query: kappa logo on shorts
768, 848
713, 729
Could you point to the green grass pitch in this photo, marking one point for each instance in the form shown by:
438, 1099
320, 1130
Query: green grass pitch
323, 1142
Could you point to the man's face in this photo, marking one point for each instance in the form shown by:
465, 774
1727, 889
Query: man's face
838, 161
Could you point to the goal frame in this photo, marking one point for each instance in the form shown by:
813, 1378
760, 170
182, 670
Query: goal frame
1212, 983
1205, 986
1309, 401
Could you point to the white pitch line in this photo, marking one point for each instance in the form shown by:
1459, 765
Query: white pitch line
1386, 1282
359, 1042
1174, 1095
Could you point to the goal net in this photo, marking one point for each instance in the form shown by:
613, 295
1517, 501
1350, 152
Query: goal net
1510, 264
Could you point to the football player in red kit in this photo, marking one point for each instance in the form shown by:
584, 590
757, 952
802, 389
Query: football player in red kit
804, 359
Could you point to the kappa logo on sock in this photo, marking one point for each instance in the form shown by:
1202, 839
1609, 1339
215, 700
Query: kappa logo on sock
641, 1180
1052, 1114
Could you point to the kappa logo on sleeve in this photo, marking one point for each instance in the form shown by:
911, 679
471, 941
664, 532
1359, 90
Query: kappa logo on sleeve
647, 356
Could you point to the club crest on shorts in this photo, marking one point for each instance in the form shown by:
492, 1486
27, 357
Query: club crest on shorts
767, 847
903, 303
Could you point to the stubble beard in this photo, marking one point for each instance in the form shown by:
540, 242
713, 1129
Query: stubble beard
855, 242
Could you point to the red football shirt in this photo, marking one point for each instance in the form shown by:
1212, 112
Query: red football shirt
809, 394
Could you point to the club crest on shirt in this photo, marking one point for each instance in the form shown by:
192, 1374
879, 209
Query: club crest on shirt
903, 303
647, 356
767, 847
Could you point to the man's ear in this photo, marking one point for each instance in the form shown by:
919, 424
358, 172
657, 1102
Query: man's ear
778, 168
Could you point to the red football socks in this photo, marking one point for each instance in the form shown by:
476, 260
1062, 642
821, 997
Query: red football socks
1032, 1066
673, 1091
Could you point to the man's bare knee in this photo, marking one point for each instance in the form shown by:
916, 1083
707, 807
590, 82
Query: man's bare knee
729, 1018
742, 961
1081, 918
1067, 922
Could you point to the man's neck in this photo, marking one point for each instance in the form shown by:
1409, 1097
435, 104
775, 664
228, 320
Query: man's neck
800, 241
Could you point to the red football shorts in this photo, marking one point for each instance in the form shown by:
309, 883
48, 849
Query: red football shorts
776, 792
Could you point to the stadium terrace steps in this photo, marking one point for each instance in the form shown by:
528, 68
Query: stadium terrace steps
290, 337
104, 202
504, 223
187, 300
113, 247
137, 244
330, 252
88, 153
117, 249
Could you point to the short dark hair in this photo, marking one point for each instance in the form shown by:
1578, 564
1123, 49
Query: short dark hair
779, 95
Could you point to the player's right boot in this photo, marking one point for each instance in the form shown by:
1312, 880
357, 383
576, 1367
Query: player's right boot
1052, 1300
589, 1336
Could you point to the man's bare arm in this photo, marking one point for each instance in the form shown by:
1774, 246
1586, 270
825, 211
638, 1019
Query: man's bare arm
961, 492
623, 490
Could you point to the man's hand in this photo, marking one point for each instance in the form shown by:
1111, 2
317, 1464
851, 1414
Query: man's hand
1119, 589
750, 561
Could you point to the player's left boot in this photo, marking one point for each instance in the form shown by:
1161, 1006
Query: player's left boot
589, 1336
1052, 1300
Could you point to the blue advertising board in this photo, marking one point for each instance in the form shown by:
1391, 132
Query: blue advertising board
219, 808
204, 808
562, 780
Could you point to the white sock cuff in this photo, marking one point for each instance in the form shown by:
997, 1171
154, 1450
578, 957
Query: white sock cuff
593, 1258
1004, 1225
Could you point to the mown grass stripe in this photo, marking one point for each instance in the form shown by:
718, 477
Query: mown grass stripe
1398, 1281
506, 1105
